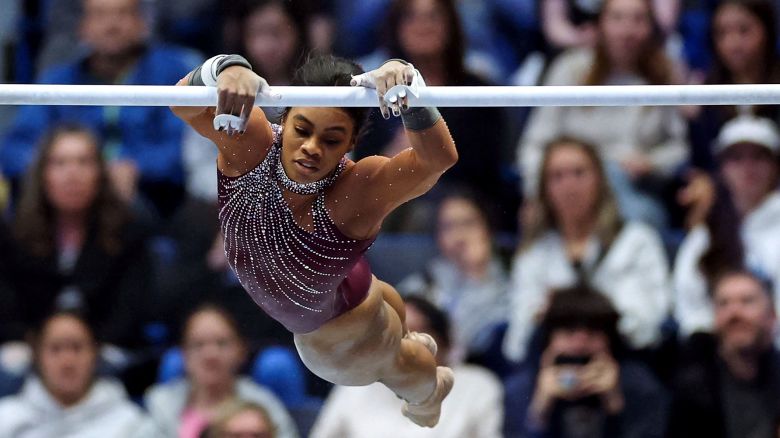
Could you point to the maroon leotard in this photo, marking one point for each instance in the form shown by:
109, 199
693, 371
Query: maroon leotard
302, 279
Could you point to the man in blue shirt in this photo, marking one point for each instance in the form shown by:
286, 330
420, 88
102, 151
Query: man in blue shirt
143, 144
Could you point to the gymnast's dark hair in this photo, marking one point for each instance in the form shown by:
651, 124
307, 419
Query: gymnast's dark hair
330, 71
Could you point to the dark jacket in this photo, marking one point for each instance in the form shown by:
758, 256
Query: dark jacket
697, 404
115, 288
644, 414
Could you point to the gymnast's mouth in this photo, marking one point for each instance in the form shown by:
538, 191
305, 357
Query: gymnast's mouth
306, 166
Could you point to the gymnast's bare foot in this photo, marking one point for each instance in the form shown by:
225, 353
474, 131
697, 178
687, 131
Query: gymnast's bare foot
427, 412
425, 339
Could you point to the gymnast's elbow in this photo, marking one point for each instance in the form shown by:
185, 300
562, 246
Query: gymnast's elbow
446, 156
186, 113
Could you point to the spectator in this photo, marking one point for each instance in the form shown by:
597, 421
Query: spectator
213, 354
583, 385
739, 229
428, 34
577, 235
65, 397
743, 34
242, 419
642, 146
468, 280
76, 245
142, 144
573, 23
727, 383
473, 409
273, 39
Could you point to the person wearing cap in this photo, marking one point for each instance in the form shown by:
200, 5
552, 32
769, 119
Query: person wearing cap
734, 220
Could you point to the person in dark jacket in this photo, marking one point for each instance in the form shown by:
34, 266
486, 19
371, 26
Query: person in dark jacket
119, 52
76, 245
727, 383
583, 385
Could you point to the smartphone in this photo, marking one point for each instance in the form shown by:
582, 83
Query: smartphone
565, 359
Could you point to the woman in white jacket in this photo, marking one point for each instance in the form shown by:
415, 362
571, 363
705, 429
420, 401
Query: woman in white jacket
576, 234
213, 353
64, 398
736, 229
639, 144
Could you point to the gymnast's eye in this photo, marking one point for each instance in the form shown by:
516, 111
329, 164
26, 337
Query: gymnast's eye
301, 132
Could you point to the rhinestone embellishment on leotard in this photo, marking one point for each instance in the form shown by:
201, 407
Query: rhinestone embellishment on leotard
287, 268
307, 188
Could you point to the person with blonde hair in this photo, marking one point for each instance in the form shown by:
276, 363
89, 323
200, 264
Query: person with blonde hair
578, 236
239, 419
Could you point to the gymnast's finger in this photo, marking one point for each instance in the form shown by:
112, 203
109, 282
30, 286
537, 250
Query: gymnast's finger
403, 102
225, 101
381, 89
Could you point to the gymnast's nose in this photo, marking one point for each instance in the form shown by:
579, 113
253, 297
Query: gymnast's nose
311, 148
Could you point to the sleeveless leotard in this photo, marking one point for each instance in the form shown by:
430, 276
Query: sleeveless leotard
302, 279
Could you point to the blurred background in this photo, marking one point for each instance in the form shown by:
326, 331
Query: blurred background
588, 272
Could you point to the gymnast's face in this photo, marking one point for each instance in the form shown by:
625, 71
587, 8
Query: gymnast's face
572, 183
314, 140
213, 351
66, 356
72, 173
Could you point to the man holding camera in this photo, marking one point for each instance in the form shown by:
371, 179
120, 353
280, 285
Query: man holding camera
582, 386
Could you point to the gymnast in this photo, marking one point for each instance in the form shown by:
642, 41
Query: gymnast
298, 216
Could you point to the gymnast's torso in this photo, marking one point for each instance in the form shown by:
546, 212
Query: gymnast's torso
301, 278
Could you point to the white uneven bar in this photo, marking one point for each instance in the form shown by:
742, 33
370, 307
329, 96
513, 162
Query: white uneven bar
143, 95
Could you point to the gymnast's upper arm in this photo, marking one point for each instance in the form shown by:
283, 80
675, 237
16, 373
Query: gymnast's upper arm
387, 183
238, 154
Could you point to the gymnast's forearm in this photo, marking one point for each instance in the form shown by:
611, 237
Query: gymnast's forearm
187, 113
433, 145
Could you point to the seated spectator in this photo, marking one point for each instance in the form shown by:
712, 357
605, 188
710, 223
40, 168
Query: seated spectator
577, 235
474, 408
468, 280
242, 419
573, 23
142, 144
428, 34
273, 37
734, 228
583, 385
214, 352
642, 147
275, 43
65, 397
744, 35
76, 245
727, 383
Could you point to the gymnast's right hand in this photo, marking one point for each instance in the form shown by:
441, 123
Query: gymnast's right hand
237, 87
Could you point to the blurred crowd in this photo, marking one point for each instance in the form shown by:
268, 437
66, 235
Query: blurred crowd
585, 271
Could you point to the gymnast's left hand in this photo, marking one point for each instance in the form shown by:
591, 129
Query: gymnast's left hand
390, 74
237, 88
